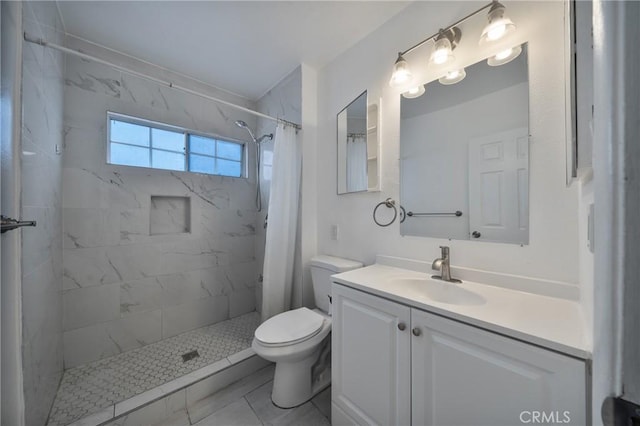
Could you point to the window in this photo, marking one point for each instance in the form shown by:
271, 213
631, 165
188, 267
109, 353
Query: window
141, 143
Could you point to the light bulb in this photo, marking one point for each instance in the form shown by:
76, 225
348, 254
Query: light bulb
504, 56
499, 24
401, 73
496, 32
440, 56
452, 74
453, 77
442, 52
414, 92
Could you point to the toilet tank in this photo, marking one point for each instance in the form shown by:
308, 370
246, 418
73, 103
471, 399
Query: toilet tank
322, 267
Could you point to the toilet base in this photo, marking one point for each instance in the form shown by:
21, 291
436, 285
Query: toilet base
292, 385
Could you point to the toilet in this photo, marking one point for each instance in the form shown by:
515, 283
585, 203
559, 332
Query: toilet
299, 341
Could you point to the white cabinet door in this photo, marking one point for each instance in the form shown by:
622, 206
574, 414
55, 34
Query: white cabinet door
464, 375
371, 359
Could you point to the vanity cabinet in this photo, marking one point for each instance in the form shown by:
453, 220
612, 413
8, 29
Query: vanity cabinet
397, 365
371, 357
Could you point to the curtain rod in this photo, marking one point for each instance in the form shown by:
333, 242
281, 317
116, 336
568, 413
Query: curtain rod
166, 83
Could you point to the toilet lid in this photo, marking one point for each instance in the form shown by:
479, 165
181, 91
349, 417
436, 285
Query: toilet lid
290, 327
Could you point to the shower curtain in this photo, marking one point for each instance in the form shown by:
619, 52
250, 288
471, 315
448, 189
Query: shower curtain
357, 163
283, 217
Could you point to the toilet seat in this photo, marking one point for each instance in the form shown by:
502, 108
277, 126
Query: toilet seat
289, 328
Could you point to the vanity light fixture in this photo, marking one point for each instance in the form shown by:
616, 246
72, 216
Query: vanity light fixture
499, 24
504, 56
414, 92
401, 73
453, 77
447, 39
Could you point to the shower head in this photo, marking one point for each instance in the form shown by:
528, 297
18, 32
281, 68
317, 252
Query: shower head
244, 125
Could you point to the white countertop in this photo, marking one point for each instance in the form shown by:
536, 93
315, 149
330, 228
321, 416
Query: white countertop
550, 322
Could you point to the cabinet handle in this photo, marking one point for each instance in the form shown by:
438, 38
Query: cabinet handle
401, 326
416, 331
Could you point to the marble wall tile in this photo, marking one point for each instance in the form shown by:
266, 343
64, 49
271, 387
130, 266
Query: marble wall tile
99, 341
143, 92
84, 228
41, 200
46, 14
35, 118
242, 302
84, 110
32, 54
92, 77
141, 295
42, 348
239, 248
88, 267
189, 316
134, 225
39, 239
84, 148
227, 223
184, 256
133, 262
40, 180
173, 289
81, 189
91, 305
190, 278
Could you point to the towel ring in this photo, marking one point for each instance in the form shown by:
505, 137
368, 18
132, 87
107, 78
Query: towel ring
390, 204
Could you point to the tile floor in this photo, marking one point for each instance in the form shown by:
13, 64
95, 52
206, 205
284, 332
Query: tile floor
256, 408
249, 404
91, 387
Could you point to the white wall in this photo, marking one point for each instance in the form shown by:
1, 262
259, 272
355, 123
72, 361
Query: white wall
124, 287
552, 252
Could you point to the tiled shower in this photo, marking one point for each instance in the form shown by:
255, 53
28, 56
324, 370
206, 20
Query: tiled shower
131, 277
127, 261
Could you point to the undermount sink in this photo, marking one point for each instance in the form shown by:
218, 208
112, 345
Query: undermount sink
439, 291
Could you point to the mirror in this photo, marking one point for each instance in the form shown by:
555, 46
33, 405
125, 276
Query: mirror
464, 156
357, 135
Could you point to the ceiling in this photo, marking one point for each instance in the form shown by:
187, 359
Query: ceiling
244, 47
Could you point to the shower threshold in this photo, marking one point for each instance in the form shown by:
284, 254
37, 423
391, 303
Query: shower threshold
97, 392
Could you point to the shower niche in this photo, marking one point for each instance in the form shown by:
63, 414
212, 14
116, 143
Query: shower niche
169, 215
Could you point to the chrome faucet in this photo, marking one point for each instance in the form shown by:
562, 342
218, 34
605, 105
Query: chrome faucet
442, 264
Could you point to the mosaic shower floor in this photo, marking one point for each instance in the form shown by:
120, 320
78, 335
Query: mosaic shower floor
91, 387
